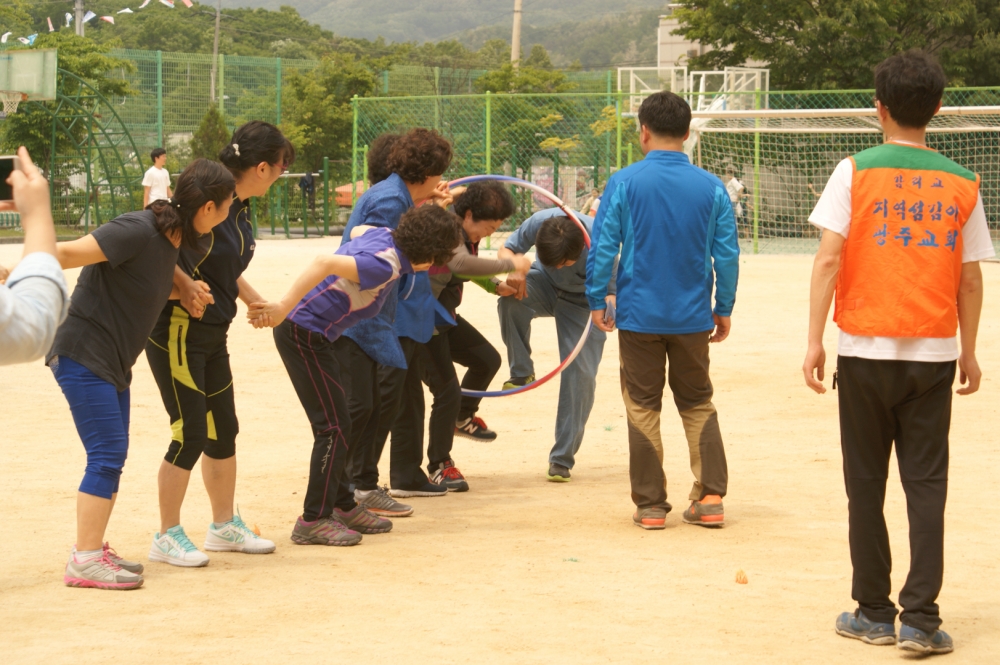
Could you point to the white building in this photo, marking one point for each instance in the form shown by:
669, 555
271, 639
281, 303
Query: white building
674, 50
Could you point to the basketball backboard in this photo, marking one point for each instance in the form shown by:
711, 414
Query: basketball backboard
31, 71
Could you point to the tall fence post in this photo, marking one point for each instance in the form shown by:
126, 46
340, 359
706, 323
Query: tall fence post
364, 167
159, 99
756, 174
253, 214
284, 200
277, 96
354, 154
489, 138
607, 142
326, 196
437, 98
385, 83
222, 84
618, 131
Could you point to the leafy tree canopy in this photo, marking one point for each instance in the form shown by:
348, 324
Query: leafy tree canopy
835, 44
211, 137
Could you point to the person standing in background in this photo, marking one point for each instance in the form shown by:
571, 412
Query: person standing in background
156, 181
736, 191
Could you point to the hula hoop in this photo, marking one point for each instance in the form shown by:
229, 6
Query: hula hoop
590, 322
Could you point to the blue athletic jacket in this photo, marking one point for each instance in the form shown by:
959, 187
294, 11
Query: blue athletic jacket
674, 225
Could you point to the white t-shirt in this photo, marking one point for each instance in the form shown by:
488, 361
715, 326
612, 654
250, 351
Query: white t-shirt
158, 180
833, 213
734, 187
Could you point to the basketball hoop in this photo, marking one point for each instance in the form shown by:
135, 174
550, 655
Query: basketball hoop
11, 99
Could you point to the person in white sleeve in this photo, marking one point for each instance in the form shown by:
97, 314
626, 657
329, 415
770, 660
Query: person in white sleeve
156, 182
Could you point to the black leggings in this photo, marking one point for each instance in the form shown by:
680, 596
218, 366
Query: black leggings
315, 366
190, 363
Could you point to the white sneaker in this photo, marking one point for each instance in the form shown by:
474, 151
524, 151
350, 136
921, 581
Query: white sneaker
99, 572
175, 548
236, 536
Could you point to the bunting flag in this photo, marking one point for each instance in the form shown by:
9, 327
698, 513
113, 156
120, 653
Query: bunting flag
69, 19
3, 39
125, 11
88, 16
168, 3
29, 40
109, 19
188, 4
51, 29
144, 3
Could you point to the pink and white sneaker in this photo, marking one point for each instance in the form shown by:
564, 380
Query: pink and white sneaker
99, 571
130, 566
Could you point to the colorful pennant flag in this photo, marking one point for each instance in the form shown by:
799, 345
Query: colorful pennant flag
168, 3
29, 40
3, 39
51, 29
69, 19
109, 19
88, 16
188, 4
143, 5
125, 11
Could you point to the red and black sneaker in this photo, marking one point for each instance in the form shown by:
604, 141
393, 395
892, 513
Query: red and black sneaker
448, 475
474, 428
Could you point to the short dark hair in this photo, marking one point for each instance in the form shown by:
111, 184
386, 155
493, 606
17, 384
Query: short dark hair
559, 239
255, 142
910, 85
157, 152
420, 154
487, 199
378, 158
665, 114
428, 234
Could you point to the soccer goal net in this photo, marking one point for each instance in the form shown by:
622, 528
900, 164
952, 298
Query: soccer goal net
783, 159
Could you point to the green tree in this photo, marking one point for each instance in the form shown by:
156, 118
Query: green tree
318, 117
15, 17
212, 135
830, 44
534, 75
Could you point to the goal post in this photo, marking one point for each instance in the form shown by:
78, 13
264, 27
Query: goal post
784, 158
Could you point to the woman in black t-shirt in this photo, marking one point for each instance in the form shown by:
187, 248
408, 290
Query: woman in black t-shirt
128, 266
189, 358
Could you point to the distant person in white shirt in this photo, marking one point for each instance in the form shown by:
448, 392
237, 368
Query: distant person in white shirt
736, 191
156, 182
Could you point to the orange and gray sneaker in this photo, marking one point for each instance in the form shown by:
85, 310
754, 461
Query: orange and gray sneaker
705, 514
324, 531
651, 518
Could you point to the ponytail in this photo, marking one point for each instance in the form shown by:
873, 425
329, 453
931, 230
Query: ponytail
255, 142
202, 181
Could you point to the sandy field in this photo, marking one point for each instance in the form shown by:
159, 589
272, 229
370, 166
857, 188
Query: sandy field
517, 570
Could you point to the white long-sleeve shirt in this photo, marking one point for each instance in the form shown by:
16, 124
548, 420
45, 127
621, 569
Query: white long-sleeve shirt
33, 304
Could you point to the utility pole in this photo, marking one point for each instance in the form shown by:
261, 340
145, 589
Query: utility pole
215, 47
78, 8
515, 40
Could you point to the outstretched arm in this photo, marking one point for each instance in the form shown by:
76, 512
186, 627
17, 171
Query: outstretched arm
270, 314
80, 252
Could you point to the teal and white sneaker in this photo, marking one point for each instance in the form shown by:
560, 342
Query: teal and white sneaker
236, 536
175, 548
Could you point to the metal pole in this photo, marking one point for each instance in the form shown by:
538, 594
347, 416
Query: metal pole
629, 154
515, 39
618, 131
489, 139
215, 46
278, 93
253, 214
78, 9
756, 174
326, 196
437, 99
284, 200
222, 84
354, 154
159, 98
270, 207
364, 167
555, 172
607, 139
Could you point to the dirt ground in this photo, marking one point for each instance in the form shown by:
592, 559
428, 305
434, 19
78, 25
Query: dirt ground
517, 570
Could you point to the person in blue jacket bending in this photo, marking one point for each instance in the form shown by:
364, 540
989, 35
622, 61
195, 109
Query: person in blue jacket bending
673, 224
554, 287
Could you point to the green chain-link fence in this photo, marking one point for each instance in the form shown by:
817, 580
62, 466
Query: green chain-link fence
572, 143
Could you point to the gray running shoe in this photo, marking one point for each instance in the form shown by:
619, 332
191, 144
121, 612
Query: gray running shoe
362, 520
558, 473
650, 518
379, 502
130, 566
705, 514
918, 641
324, 531
99, 572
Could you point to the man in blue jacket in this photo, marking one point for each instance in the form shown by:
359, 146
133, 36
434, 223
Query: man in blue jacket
673, 224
